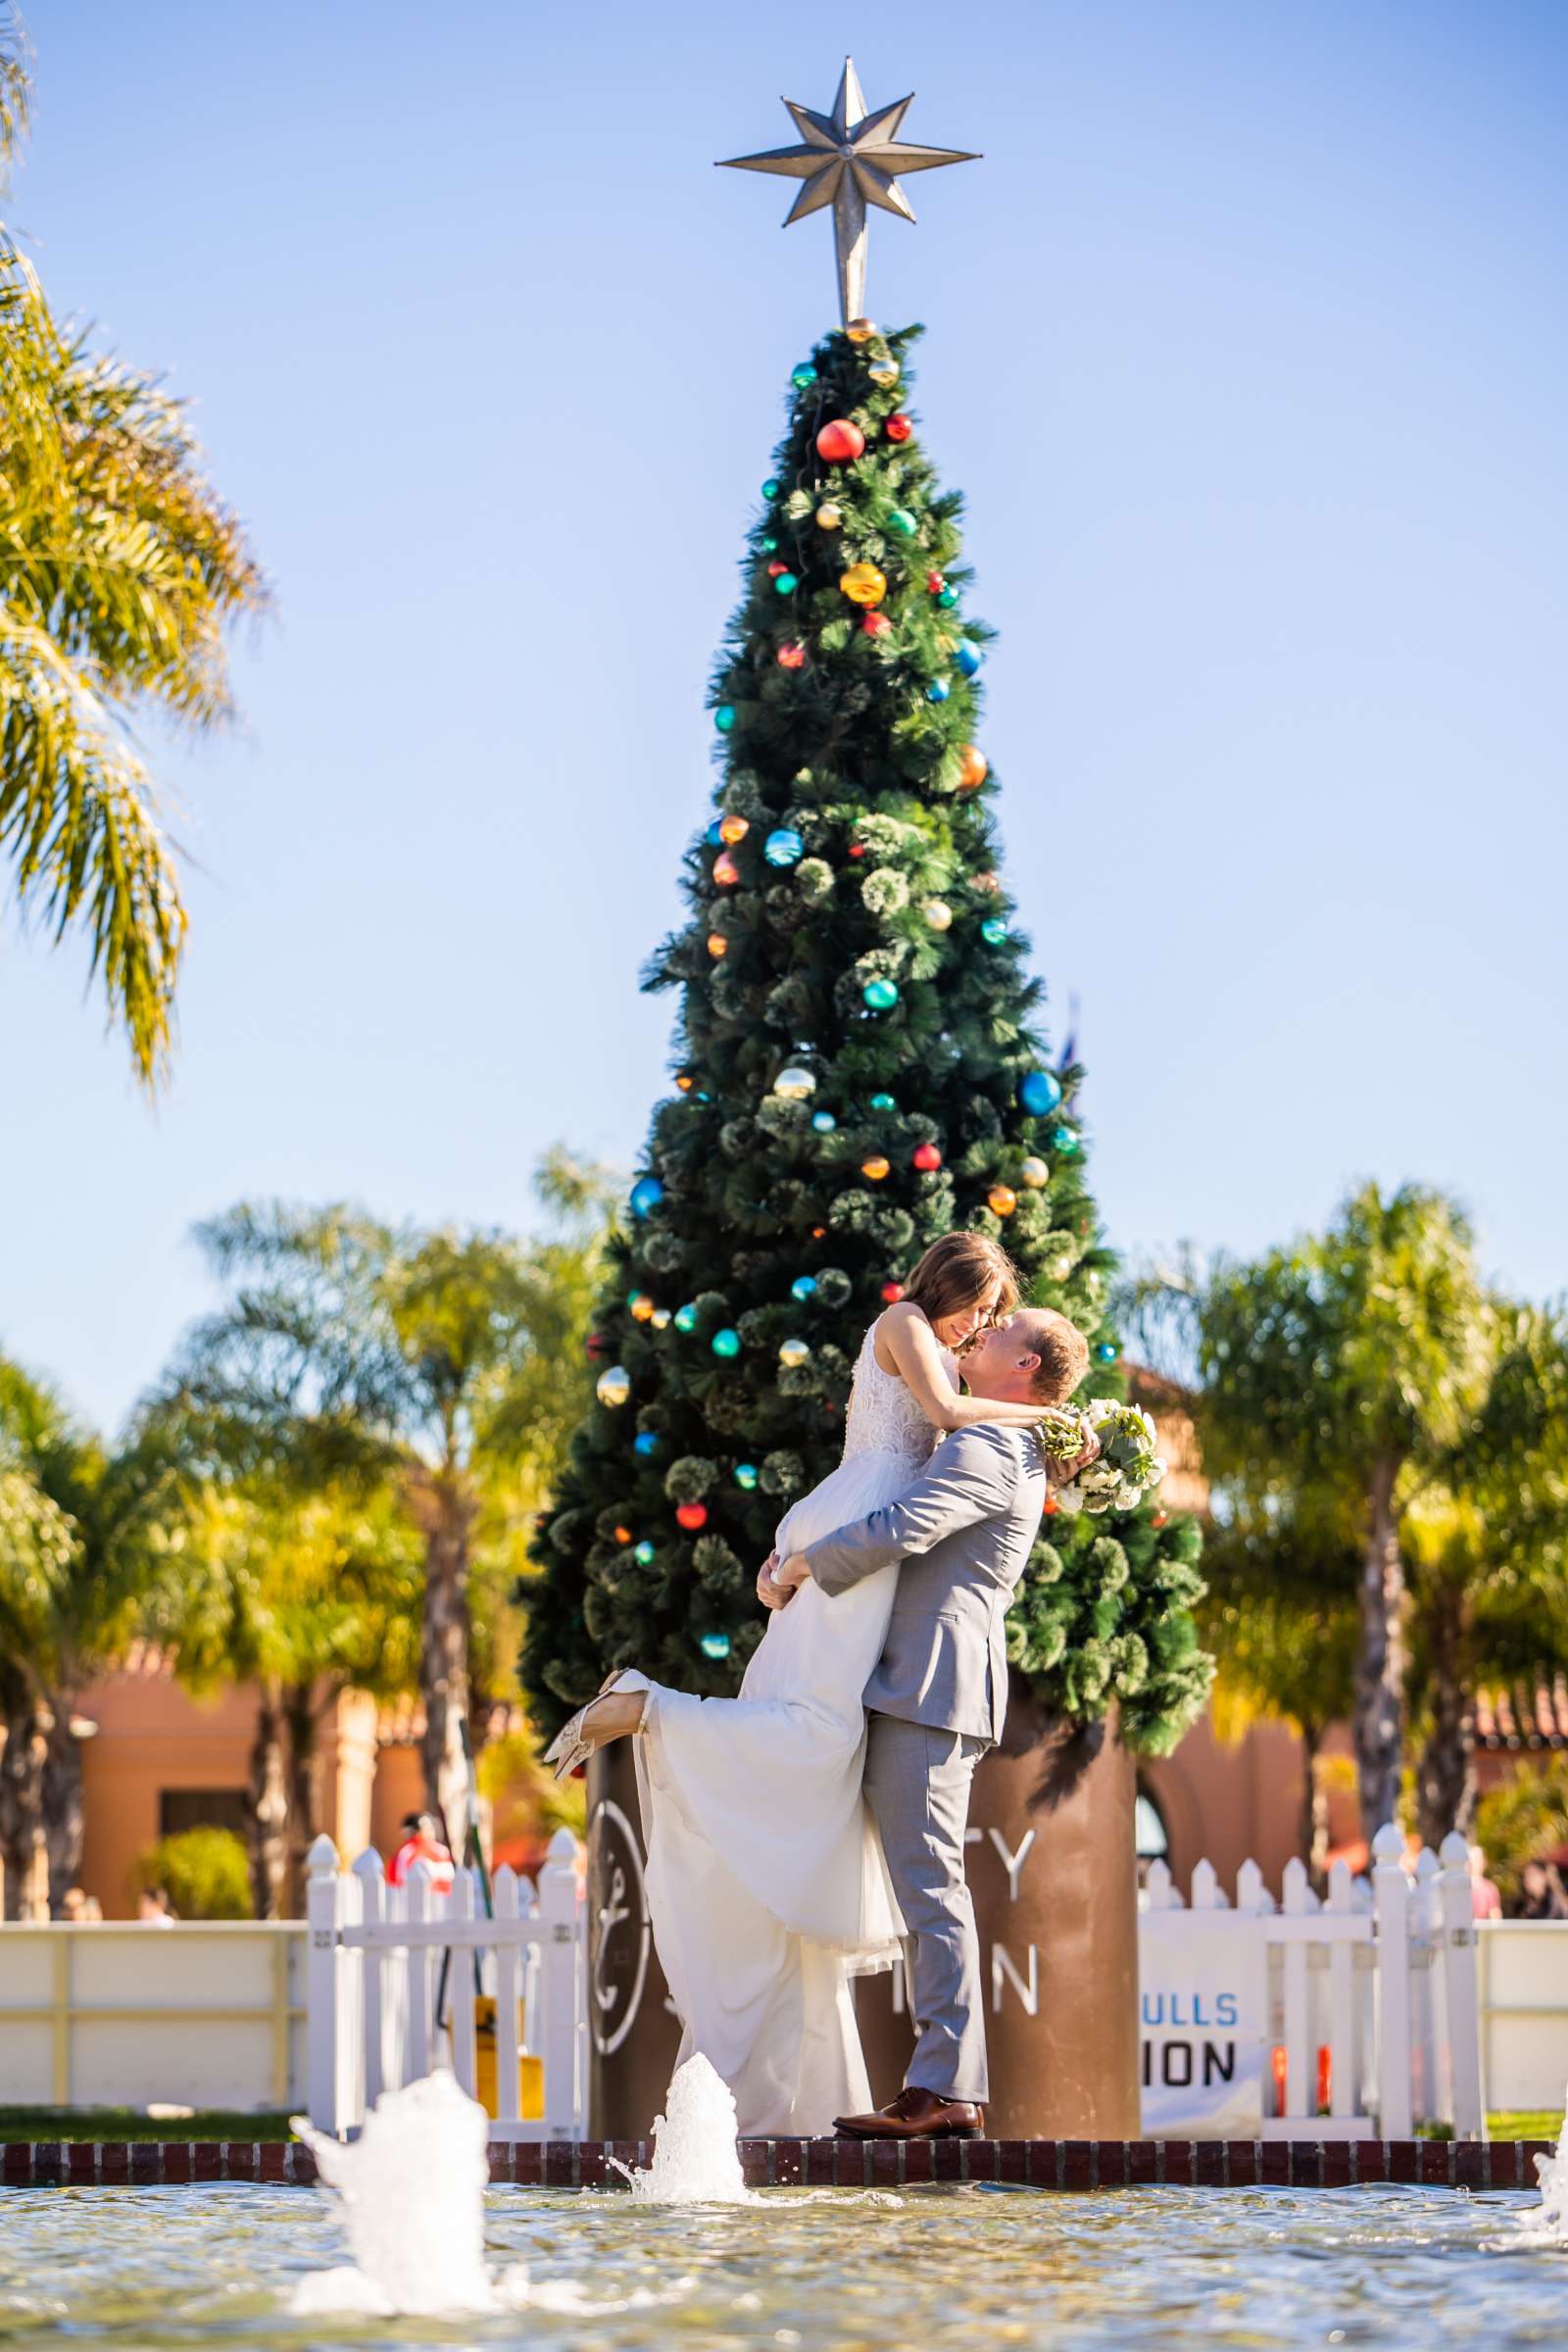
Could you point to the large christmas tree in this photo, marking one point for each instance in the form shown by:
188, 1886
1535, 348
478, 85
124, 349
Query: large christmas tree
859, 1070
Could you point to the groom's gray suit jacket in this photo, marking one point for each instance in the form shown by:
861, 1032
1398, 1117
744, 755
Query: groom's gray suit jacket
964, 1530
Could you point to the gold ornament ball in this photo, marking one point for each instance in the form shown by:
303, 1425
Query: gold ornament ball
1002, 1198
863, 584
973, 767
643, 1308
732, 829
795, 1084
861, 331
876, 1167
883, 371
718, 945
793, 1353
938, 914
1035, 1173
614, 1386
829, 516
659, 1318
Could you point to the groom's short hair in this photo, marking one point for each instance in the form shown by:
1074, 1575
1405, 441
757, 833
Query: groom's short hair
1063, 1354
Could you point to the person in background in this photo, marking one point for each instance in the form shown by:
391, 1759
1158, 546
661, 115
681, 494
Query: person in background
421, 1843
1485, 1900
1542, 1894
153, 1909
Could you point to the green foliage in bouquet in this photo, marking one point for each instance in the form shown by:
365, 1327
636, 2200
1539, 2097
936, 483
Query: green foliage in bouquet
858, 1071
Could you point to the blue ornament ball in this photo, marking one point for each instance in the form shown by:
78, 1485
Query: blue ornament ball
968, 658
645, 1443
823, 1121
645, 1195
745, 1476
715, 1645
784, 846
725, 1343
1039, 1092
724, 717
714, 837
1107, 1351
881, 994
685, 1318
938, 691
803, 375
803, 1286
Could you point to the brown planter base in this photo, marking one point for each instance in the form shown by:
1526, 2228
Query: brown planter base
633, 2035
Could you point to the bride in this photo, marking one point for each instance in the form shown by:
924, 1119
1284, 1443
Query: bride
766, 1885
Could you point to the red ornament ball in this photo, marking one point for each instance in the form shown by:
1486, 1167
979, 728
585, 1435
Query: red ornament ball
775, 567
856, 848
1050, 1507
876, 624
838, 443
1161, 1519
791, 657
892, 1293
692, 1515
935, 582
898, 428
927, 1157
595, 1344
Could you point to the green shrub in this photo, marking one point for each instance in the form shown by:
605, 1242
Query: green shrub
206, 1872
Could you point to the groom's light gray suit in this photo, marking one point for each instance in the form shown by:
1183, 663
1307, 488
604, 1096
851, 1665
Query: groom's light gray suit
937, 1699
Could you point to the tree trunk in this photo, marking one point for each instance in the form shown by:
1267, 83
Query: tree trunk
1381, 1661
1446, 1775
268, 1806
303, 1726
65, 1812
23, 1840
447, 1512
1314, 1825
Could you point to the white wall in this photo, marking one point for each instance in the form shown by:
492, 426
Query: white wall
1523, 1972
119, 2014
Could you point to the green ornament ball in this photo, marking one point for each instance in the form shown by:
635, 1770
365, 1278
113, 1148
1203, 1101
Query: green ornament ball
881, 994
1065, 1140
904, 523
948, 598
769, 545
645, 1553
772, 488
745, 1476
785, 584
994, 931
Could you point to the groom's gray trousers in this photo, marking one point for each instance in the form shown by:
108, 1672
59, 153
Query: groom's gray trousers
917, 1783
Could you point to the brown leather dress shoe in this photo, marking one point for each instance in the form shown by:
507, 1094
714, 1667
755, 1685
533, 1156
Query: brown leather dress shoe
916, 2114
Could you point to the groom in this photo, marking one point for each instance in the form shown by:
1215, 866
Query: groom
939, 1692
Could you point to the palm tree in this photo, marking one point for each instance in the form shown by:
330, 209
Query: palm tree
120, 570
446, 1365
76, 1548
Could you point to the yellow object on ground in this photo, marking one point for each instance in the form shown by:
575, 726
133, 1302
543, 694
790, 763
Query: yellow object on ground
530, 2070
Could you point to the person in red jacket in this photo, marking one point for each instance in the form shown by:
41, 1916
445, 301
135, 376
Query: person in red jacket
420, 1844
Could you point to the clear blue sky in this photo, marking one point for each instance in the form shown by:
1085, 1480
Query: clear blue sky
1246, 343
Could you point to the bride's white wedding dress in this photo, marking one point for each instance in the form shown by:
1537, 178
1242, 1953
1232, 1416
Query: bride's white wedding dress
766, 1885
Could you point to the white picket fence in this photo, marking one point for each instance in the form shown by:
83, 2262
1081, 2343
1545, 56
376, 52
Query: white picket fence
1378, 1979
374, 1971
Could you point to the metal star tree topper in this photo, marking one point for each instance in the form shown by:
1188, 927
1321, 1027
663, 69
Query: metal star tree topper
849, 159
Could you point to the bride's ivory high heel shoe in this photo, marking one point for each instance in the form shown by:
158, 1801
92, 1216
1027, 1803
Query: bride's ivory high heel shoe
573, 1744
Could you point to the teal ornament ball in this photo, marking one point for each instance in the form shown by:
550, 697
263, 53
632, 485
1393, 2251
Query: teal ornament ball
947, 598
823, 1121
994, 931
645, 1443
938, 691
1107, 1351
685, 1318
968, 658
772, 488
883, 1102
645, 1195
769, 544
725, 1343
745, 1476
803, 375
881, 994
1066, 1142
784, 846
644, 1554
724, 717
904, 523
785, 584
715, 1645
1039, 1092
803, 1286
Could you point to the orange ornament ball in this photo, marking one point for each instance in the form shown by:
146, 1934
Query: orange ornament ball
973, 767
692, 1515
718, 945
876, 1167
725, 870
623, 1535
863, 584
1002, 1200
840, 442
1050, 1507
732, 829
791, 657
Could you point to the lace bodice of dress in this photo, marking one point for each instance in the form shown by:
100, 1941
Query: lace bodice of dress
883, 1417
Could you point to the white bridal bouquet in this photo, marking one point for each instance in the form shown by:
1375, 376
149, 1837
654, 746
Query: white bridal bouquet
1127, 1465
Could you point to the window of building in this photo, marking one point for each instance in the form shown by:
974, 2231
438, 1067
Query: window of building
1148, 1831
201, 1809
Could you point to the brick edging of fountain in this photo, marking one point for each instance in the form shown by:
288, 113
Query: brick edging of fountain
1061, 2163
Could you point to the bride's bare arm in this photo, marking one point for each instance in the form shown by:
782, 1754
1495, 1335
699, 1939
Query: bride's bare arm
913, 1344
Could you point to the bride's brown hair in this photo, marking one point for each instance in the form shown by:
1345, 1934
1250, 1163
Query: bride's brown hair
956, 1272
